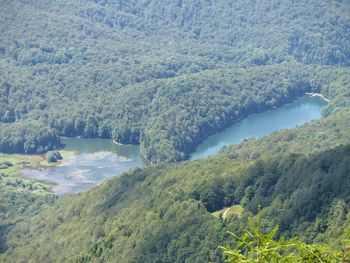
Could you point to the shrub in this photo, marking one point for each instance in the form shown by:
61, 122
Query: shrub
5, 164
255, 246
53, 156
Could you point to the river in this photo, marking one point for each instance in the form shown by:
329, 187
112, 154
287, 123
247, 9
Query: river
99, 159
94, 161
288, 116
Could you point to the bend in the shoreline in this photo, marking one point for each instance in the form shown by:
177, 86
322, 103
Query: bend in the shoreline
312, 94
115, 142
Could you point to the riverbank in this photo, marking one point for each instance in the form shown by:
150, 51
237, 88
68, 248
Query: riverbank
117, 143
202, 138
141, 152
96, 160
288, 116
35, 161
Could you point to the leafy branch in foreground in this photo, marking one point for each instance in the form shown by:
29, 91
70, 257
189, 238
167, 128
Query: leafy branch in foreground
255, 246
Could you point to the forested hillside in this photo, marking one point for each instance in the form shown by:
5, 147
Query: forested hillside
130, 219
134, 69
173, 213
165, 75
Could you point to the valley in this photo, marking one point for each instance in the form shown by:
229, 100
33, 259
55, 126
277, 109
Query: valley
177, 131
95, 160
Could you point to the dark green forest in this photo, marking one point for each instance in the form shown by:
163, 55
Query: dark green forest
164, 213
165, 75
305, 196
134, 70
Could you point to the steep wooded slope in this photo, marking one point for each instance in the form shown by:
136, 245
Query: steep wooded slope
85, 57
162, 214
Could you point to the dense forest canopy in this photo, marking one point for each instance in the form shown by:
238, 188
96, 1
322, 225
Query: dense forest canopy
123, 69
306, 196
165, 75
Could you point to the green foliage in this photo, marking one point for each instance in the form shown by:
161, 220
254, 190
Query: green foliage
5, 164
19, 199
53, 156
161, 74
308, 139
256, 246
307, 197
28, 137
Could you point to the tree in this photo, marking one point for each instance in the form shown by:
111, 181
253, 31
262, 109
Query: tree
53, 156
255, 246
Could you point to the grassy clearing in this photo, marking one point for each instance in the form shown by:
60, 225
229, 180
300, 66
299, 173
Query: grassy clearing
65, 154
21, 160
233, 210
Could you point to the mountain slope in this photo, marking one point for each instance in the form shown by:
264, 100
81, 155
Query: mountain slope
165, 74
87, 56
128, 218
